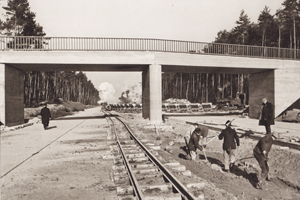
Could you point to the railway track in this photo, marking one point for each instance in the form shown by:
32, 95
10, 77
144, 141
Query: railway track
140, 173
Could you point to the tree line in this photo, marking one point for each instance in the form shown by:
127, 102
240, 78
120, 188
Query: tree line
201, 88
70, 86
43, 86
280, 30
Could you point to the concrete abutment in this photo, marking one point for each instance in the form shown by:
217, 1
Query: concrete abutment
280, 86
11, 96
260, 85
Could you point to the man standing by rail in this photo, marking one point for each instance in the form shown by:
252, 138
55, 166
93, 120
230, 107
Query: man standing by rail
266, 117
231, 142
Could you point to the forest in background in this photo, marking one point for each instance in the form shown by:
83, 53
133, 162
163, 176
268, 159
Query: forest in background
40, 86
201, 88
70, 86
280, 30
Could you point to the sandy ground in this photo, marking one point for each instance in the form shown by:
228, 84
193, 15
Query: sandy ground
284, 163
68, 168
65, 162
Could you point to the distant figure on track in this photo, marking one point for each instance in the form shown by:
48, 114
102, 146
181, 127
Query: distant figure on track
266, 117
260, 153
241, 96
193, 144
46, 115
231, 141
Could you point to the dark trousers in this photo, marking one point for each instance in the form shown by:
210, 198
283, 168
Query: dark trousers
268, 128
263, 163
46, 124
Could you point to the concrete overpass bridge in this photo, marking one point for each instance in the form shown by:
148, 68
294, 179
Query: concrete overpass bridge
275, 73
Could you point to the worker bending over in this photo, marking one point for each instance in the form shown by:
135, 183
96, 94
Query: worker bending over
261, 152
194, 143
230, 143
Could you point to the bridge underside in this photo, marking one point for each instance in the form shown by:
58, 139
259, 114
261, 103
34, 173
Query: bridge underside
275, 79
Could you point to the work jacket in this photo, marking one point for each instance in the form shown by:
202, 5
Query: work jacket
194, 142
230, 138
266, 116
264, 144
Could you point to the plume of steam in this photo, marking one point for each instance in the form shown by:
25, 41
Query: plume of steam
221, 89
132, 95
106, 93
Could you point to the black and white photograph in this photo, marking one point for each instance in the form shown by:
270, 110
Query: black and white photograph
150, 99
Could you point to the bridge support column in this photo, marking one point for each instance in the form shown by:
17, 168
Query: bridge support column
260, 85
152, 94
11, 96
287, 86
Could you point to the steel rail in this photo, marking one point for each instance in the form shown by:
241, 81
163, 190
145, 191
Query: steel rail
172, 179
136, 187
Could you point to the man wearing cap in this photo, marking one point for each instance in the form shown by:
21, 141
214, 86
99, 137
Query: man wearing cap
46, 115
261, 152
230, 143
194, 143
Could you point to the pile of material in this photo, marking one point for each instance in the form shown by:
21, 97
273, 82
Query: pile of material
177, 101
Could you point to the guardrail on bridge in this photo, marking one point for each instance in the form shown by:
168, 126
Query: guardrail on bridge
35, 43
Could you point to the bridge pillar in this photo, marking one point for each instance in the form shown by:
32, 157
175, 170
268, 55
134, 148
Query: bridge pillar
152, 94
260, 85
287, 86
11, 96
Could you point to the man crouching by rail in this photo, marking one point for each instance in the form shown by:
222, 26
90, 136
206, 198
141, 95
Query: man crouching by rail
229, 146
194, 143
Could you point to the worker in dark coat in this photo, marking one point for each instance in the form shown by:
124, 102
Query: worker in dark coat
194, 143
46, 115
230, 143
261, 152
242, 96
266, 117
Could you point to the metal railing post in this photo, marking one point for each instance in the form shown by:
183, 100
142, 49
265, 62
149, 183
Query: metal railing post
38, 43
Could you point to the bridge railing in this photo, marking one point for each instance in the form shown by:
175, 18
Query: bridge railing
33, 43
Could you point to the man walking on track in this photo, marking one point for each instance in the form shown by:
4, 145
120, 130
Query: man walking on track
266, 117
261, 152
193, 144
230, 143
46, 115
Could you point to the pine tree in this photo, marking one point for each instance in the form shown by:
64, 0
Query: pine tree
241, 30
20, 20
291, 13
265, 21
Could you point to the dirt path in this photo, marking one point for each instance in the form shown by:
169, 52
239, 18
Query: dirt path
69, 168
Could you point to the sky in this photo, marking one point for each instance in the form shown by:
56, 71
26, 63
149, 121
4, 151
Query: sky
189, 20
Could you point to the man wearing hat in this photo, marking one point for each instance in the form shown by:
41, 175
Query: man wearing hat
230, 143
46, 115
194, 143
